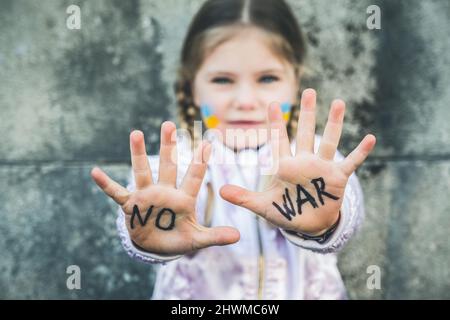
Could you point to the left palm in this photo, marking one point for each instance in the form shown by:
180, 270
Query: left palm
306, 192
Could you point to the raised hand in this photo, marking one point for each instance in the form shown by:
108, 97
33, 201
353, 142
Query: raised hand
306, 193
161, 218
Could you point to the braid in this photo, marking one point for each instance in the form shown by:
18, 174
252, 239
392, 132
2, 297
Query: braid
188, 112
292, 123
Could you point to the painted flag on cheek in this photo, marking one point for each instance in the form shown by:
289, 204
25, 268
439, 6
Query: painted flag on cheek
286, 110
209, 118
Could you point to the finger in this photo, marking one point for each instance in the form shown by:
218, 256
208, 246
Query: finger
114, 190
217, 236
242, 197
333, 130
358, 155
139, 161
196, 171
278, 133
168, 155
306, 127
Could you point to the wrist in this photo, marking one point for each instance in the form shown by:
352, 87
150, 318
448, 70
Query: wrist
323, 231
139, 247
322, 236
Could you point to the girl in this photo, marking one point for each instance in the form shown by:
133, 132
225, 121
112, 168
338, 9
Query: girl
243, 218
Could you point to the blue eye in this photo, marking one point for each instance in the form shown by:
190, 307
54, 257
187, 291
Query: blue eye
268, 79
221, 80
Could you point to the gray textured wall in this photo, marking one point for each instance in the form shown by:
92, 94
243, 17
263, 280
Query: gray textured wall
69, 98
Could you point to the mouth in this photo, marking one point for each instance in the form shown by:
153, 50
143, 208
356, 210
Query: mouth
245, 123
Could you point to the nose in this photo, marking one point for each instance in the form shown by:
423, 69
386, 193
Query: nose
246, 98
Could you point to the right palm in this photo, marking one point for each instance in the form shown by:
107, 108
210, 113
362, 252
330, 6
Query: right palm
161, 218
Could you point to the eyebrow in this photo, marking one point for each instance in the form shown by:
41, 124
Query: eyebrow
271, 70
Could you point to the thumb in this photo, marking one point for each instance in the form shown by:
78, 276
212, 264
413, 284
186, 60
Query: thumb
240, 197
217, 236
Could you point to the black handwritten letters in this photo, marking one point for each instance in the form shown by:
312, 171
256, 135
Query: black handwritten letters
303, 196
143, 221
171, 224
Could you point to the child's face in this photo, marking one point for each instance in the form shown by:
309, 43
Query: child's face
236, 83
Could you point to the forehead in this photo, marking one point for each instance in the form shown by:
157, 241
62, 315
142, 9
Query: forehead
250, 49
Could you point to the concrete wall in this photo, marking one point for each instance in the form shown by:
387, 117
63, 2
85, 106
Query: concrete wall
69, 98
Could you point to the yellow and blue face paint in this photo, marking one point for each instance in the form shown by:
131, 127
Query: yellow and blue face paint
212, 122
286, 110
209, 118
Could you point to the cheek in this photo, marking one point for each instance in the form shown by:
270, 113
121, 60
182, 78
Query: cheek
213, 112
285, 92
209, 116
286, 110
213, 107
286, 95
